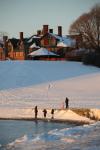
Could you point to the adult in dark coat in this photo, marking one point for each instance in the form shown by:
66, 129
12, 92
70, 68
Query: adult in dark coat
45, 113
66, 102
36, 112
52, 113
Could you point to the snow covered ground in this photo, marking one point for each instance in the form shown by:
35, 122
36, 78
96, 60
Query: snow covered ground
46, 84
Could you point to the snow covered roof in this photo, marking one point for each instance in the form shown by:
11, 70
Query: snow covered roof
61, 44
30, 40
65, 41
34, 46
33, 37
42, 52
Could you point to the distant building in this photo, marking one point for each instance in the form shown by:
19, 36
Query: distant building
16, 48
53, 42
19, 49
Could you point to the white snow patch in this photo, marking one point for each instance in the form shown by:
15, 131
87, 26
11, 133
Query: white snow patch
42, 51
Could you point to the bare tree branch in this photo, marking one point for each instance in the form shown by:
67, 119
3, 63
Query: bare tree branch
88, 25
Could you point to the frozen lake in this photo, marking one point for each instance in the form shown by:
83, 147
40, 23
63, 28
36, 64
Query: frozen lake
31, 135
10, 130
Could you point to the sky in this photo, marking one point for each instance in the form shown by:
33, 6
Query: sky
28, 16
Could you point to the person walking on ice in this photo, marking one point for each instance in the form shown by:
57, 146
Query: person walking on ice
52, 113
45, 113
66, 103
36, 112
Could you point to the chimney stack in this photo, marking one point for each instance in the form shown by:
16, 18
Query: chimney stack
5, 38
38, 32
21, 36
45, 29
59, 30
50, 30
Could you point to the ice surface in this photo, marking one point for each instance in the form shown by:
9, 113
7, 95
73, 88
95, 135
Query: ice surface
79, 137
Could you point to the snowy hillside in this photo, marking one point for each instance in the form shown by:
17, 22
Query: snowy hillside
43, 83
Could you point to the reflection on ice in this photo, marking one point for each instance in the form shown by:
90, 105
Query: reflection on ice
79, 136
76, 137
19, 140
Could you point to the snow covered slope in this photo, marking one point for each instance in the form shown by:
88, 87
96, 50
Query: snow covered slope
46, 84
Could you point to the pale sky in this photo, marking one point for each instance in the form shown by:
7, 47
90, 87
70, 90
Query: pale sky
29, 15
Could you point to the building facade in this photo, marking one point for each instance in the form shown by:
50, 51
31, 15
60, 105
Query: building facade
19, 49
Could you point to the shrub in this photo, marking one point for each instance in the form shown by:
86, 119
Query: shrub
89, 58
92, 58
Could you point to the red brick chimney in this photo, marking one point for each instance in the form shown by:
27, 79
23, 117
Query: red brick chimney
59, 30
5, 38
45, 29
21, 36
50, 30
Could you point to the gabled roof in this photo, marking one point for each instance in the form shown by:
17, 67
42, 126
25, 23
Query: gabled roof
34, 46
33, 38
42, 52
14, 42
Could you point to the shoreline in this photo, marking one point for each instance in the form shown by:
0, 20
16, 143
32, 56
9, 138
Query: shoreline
73, 115
49, 120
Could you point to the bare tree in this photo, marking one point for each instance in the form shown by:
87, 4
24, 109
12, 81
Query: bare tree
88, 25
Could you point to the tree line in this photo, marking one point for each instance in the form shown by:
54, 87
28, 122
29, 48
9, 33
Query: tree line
88, 26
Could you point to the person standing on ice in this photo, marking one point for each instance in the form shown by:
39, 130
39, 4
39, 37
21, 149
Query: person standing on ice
52, 113
66, 103
45, 113
36, 112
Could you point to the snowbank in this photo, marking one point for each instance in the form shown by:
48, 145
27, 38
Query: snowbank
95, 113
28, 113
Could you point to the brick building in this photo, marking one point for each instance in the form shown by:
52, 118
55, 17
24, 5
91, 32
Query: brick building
19, 49
16, 48
47, 39
2, 55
